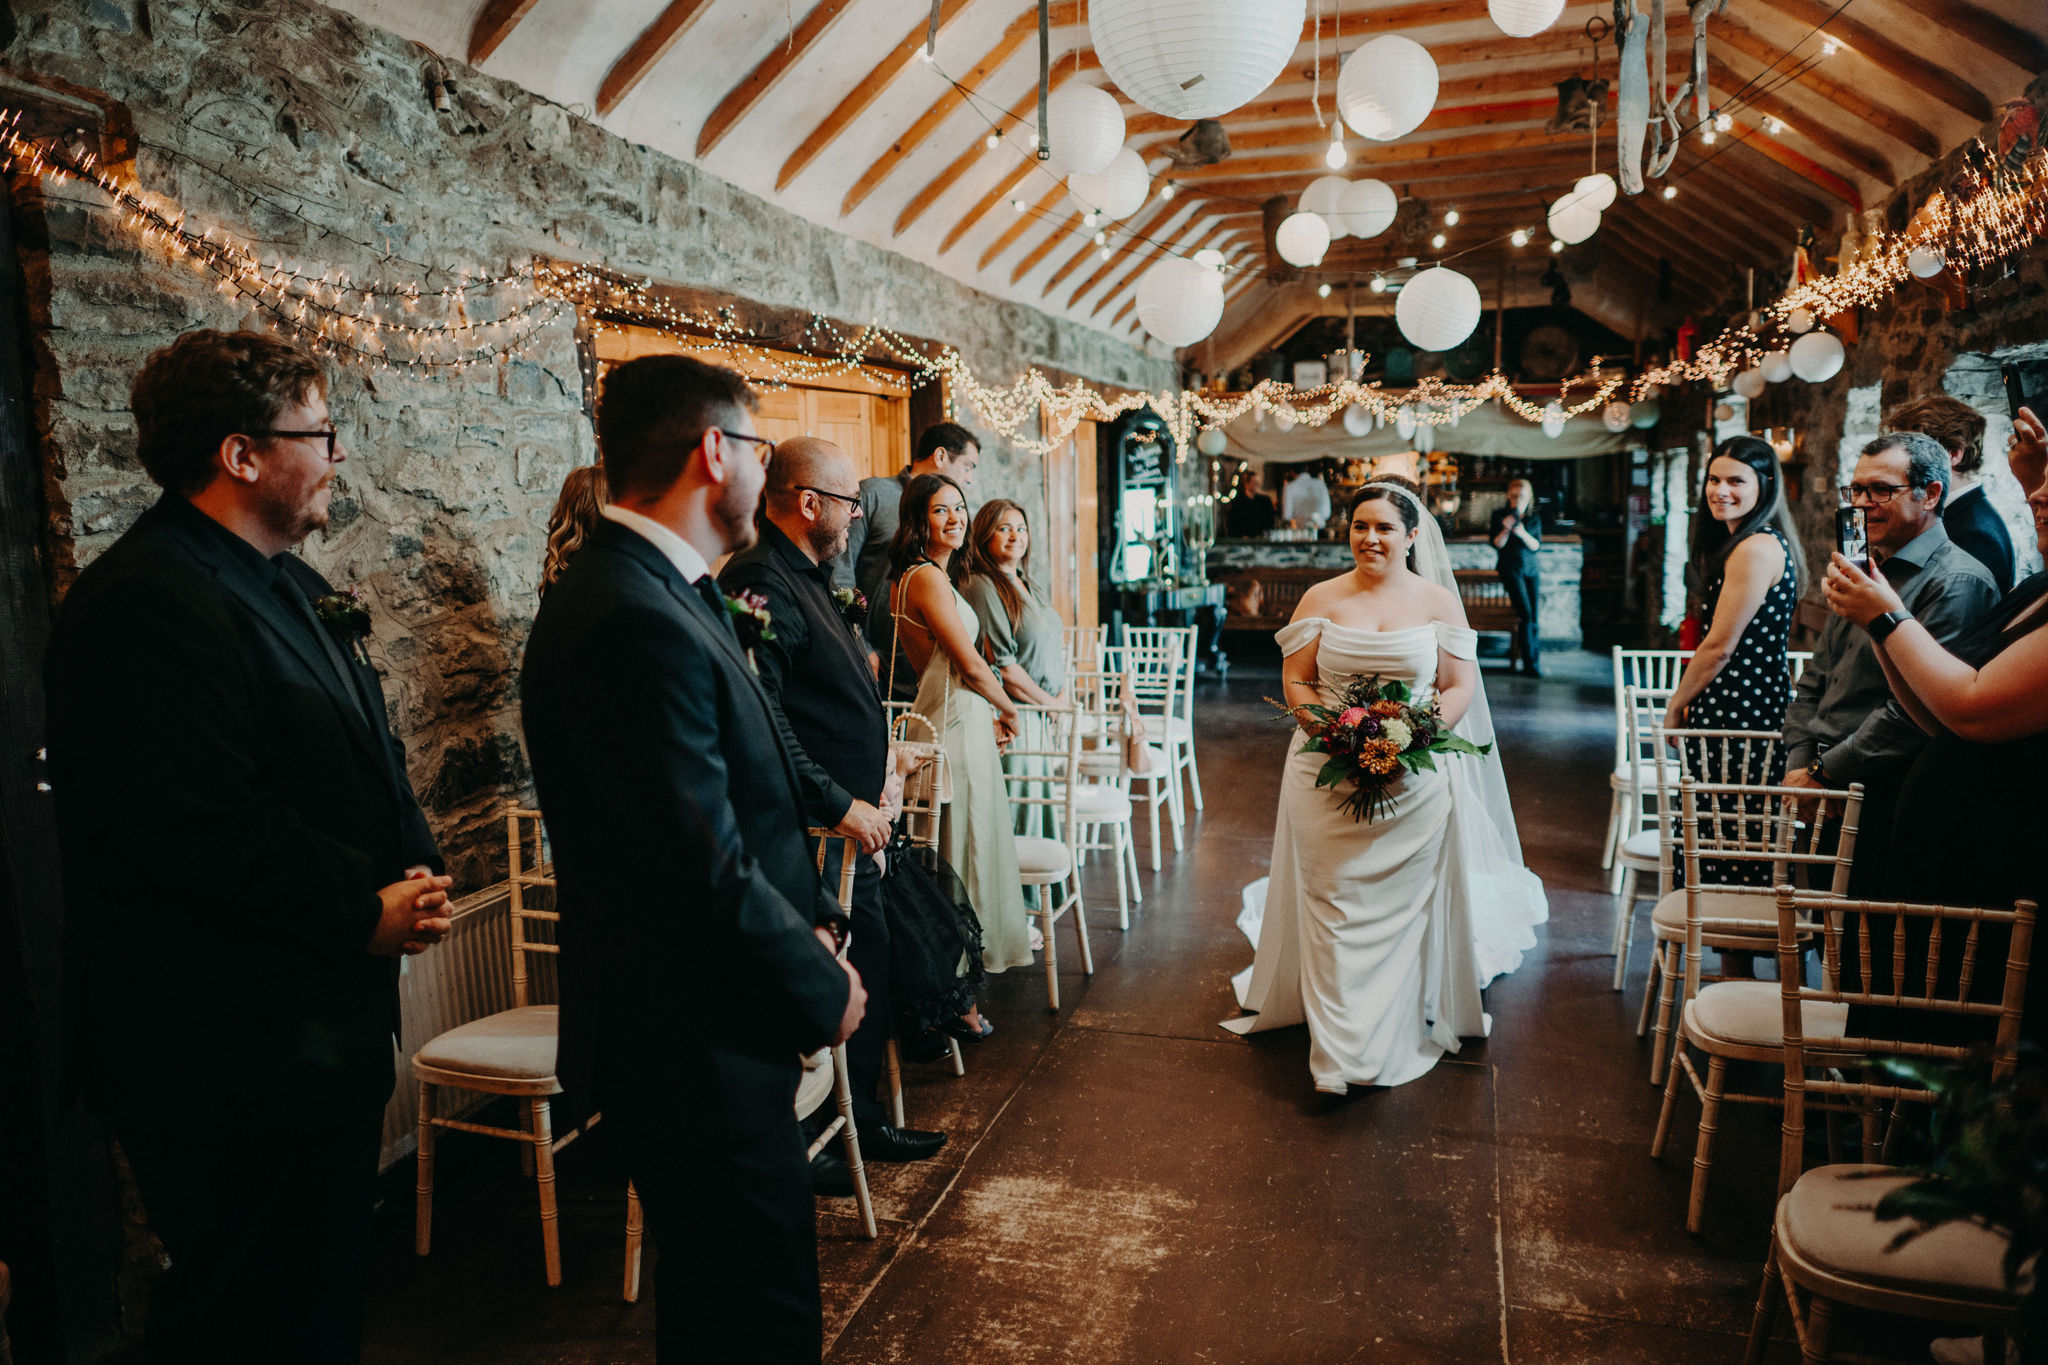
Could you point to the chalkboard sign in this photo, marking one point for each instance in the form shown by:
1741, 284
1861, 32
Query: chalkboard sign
1144, 461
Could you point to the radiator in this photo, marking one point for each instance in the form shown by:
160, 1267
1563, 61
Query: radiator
467, 976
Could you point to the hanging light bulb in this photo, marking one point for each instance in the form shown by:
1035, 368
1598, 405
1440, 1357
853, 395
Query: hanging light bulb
1106, 253
1450, 217
1829, 47
1723, 122
1671, 191
1378, 285
1338, 156
1708, 136
1323, 291
1088, 219
1166, 191
1438, 241
993, 140
1773, 124
1017, 204
1519, 237
1101, 239
1555, 246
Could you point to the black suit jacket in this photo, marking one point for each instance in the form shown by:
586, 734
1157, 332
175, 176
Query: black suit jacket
827, 702
1974, 524
229, 798
690, 975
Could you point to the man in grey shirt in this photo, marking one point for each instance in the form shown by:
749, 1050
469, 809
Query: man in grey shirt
945, 448
1843, 725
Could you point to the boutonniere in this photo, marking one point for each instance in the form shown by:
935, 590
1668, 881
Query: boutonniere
853, 606
751, 621
347, 618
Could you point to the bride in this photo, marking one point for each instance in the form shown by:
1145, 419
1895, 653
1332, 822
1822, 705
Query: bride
1380, 935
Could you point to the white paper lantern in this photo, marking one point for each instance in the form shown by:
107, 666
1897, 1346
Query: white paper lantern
1404, 422
1357, 420
1302, 239
1573, 218
1750, 383
1192, 59
1598, 189
1777, 366
1387, 87
1210, 257
1116, 191
1553, 419
1212, 441
1437, 309
1615, 417
1645, 414
1925, 262
1425, 437
1524, 18
1324, 197
1283, 420
1800, 320
1085, 125
1817, 357
1368, 207
1180, 302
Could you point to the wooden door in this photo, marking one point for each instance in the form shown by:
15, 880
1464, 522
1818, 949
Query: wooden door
841, 418
781, 414
1066, 553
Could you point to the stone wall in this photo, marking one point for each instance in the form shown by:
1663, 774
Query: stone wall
1912, 345
312, 135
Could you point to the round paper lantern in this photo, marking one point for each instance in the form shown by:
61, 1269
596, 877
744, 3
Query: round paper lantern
1116, 191
1180, 302
1193, 59
1750, 383
1368, 207
1645, 414
1925, 262
1210, 257
1800, 320
1302, 239
1324, 197
1817, 357
1357, 420
1283, 420
1553, 419
1085, 125
1777, 366
1404, 422
1615, 417
1212, 441
1437, 309
1597, 189
1387, 87
1524, 18
1573, 218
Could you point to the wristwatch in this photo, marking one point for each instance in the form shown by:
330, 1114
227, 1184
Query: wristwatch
1817, 772
1883, 626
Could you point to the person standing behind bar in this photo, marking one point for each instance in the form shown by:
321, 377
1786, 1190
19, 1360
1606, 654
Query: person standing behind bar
244, 862
1250, 513
698, 943
945, 448
828, 707
1517, 536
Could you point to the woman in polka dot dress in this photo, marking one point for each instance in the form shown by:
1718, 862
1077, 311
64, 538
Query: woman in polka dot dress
1747, 564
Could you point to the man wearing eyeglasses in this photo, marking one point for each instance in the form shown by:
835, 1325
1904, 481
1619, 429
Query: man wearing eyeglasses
828, 705
244, 861
1842, 725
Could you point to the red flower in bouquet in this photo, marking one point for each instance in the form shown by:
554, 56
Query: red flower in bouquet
1372, 736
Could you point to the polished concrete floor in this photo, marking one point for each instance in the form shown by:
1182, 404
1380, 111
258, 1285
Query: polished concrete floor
1128, 1182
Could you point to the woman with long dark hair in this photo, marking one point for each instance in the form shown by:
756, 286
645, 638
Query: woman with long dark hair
960, 695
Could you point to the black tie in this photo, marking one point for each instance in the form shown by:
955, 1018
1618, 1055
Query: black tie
707, 588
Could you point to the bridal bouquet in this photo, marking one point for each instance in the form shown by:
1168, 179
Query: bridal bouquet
1374, 734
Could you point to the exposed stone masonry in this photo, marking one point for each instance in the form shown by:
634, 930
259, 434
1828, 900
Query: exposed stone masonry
312, 132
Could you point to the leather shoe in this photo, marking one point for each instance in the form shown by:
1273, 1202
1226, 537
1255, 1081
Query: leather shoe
830, 1176
884, 1143
928, 1046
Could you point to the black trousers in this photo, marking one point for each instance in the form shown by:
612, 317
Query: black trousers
867, 1052
266, 1220
1524, 596
736, 1246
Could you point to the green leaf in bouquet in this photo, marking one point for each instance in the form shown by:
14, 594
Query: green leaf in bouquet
1418, 759
1395, 690
1333, 772
1449, 743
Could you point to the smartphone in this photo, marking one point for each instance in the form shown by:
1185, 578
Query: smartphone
1852, 537
2017, 395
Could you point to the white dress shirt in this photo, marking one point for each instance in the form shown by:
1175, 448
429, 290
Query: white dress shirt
688, 561
1305, 499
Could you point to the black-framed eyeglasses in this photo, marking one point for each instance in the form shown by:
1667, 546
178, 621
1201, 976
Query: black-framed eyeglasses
330, 436
766, 447
851, 499
1876, 494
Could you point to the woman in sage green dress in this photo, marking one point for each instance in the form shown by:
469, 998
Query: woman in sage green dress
959, 694
1022, 637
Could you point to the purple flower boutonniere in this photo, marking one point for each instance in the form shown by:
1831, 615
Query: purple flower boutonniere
853, 607
751, 621
347, 618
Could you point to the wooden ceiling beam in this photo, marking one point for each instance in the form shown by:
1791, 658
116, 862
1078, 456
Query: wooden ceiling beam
1380, 156
494, 24
1899, 62
1036, 214
2001, 37
1814, 129
1171, 218
1726, 32
862, 96
768, 74
1559, 38
1129, 281
646, 52
1063, 232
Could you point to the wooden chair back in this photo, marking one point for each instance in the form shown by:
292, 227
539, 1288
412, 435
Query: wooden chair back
849, 851
1650, 669
1180, 638
1044, 775
1151, 677
1696, 753
1796, 661
925, 790
529, 868
1084, 646
1953, 926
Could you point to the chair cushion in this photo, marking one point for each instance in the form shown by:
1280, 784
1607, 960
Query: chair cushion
514, 1045
1042, 860
1641, 848
1624, 774
1177, 727
816, 1086
1669, 916
1752, 1014
1101, 805
1828, 1219
1154, 763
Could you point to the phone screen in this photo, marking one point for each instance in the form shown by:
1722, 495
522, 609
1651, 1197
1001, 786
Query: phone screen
1852, 538
2026, 386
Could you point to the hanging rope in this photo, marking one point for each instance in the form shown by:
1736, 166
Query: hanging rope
1044, 77
931, 30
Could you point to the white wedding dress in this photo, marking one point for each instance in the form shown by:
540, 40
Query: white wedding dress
1380, 935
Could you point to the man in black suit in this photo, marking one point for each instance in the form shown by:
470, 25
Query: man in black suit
697, 940
828, 707
1968, 516
244, 861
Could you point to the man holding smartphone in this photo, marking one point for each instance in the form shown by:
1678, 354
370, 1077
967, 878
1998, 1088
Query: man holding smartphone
1972, 522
